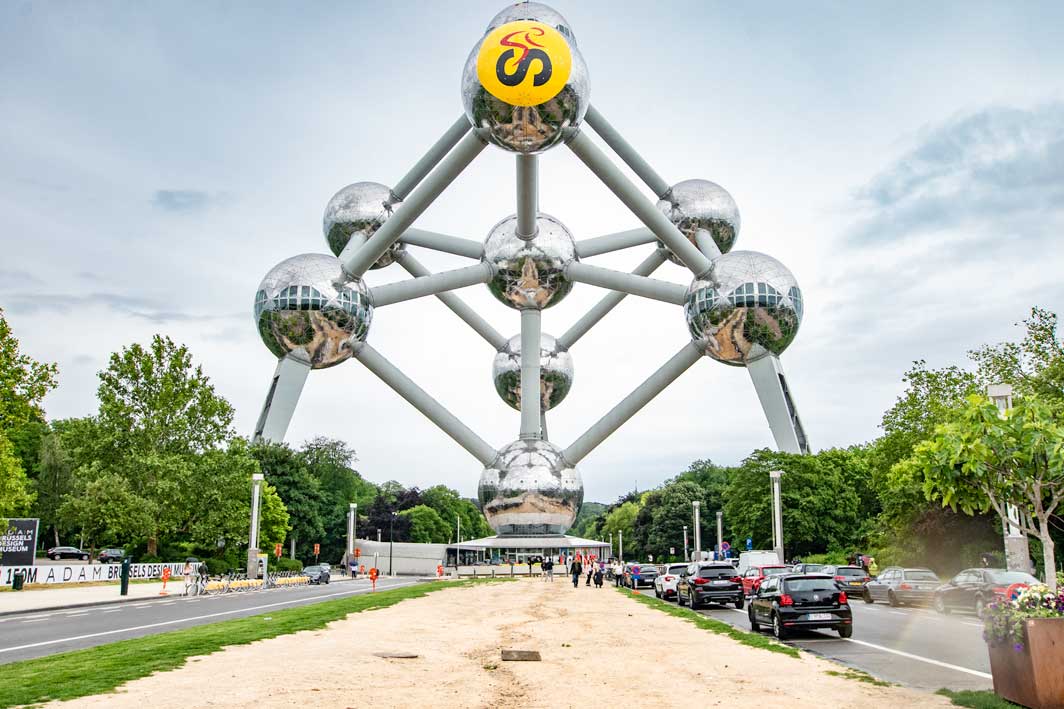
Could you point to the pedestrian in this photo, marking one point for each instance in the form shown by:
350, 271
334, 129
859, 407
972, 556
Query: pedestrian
598, 578
576, 569
590, 571
354, 567
549, 563
873, 567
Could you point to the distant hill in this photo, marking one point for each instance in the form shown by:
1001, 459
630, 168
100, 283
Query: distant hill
588, 512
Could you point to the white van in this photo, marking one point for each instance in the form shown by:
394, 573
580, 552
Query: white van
756, 558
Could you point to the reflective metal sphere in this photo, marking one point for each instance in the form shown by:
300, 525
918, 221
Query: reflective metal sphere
359, 209
701, 205
526, 129
530, 274
747, 307
555, 372
530, 489
535, 11
308, 307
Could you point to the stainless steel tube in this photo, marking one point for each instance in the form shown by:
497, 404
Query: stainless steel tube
432, 158
614, 242
527, 195
531, 403
626, 282
430, 285
626, 152
443, 242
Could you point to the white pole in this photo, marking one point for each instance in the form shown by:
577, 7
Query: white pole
1017, 549
777, 514
352, 510
686, 556
698, 528
720, 534
620, 544
253, 535
458, 547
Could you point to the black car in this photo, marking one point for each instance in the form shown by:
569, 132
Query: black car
318, 573
647, 573
111, 556
56, 553
974, 589
710, 582
810, 601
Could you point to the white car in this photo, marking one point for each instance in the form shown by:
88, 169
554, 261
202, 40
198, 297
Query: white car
665, 583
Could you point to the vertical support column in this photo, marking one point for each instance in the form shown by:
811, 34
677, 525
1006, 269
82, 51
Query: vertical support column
686, 552
620, 545
352, 513
253, 535
698, 529
1017, 547
777, 515
527, 196
778, 404
720, 534
531, 398
281, 399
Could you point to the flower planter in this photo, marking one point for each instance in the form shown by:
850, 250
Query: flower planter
1034, 675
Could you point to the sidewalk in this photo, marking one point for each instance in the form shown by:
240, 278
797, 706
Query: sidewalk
67, 596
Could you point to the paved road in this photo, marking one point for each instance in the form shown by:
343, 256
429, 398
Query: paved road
35, 634
912, 646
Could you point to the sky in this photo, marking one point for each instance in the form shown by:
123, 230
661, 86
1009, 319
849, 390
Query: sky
904, 160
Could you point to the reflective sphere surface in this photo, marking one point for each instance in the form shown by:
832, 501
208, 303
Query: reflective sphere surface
536, 11
701, 205
747, 307
359, 209
555, 372
526, 128
530, 274
308, 307
530, 489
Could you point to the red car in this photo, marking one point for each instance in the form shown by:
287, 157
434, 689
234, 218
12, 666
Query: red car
756, 574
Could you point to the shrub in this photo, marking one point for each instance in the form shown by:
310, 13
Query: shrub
217, 567
1006, 619
835, 558
148, 559
285, 564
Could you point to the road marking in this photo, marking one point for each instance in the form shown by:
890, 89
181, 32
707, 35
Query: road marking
73, 613
113, 611
35, 620
897, 612
199, 617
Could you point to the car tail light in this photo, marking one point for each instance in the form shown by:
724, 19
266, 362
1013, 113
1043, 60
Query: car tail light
736, 579
699, 582
867, 579
843, 598
786, 600
905, 587
840, 578
1000, 591
667, 578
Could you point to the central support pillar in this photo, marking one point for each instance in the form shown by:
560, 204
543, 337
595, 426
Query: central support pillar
531, 400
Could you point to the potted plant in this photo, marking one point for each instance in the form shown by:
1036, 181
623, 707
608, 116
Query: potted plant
1025, 637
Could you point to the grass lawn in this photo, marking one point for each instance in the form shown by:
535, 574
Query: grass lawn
977, 699
710, 624
100, 669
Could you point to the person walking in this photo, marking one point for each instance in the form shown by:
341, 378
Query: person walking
590, 572
598, 577
548, 565
577, 570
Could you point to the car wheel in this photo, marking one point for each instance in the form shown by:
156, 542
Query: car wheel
940, 605
892, 599
740, 602
868, 596
657, 593
679, 599
846, 630
84, 557
54, 558
980, 607
754, 625
778, 630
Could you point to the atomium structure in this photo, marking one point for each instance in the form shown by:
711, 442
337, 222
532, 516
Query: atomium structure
525, 89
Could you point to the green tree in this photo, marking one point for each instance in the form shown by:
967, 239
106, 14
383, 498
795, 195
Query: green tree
982, 460
107, 512
273, 518
330, 461
300, 490
15, 494
54, 481
672, 515
621, 520
1034, 365
447, 503
426, 525
23, 382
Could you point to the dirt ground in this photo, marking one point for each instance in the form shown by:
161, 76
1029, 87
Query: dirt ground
597, 646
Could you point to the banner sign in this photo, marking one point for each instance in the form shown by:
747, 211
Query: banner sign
82, 573
18, 540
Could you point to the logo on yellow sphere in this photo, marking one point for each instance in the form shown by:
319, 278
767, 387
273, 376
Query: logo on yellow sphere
524, 63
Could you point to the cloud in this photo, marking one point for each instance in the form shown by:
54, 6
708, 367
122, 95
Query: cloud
133, 306
18, 279
187, 201
998, 172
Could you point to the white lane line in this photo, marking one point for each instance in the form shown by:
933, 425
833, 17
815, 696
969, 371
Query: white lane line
73, 613
112, 611
199, 617
897, 612
35, 620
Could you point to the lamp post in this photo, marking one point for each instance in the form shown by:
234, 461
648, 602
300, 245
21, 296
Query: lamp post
391, 539
686, 557
720, 534
620, 544
253, 535
352, 512
698, 528
777, 515
378, 535
458, 547
1017, 551
611, 543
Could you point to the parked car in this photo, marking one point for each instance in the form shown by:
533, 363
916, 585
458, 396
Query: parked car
756, 558
787, 603
756, 574
666, 580
807, 568
848, 578
56, 553
647, 574
896, 585
709, 582
973, 589
111, 556
318, 573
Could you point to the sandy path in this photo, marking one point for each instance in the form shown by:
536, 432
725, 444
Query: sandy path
598, 648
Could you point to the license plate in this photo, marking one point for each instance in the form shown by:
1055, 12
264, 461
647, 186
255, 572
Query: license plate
819, 616
721, 583
855, 583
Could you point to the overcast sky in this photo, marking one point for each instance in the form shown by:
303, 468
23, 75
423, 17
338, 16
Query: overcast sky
905, 160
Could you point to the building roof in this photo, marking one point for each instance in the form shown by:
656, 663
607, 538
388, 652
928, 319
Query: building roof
546, 541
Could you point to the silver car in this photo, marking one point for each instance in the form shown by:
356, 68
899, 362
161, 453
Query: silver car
896, 586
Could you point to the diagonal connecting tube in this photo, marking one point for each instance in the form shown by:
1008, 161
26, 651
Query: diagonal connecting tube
429, 407
357, 258
631, 404
431, 285
456, 304
531, 399
632, 198
608, 303
443, 242
626, 282
432, 158
614, 242
626, 152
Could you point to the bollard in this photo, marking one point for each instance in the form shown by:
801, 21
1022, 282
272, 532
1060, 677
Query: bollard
493, 573
17, 580
124, 584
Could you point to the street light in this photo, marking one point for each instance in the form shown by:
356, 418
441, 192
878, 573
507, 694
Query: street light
720, 534
253, 535
777, 514
698, 528
685, 552
391, 539
1017, 551
352, 513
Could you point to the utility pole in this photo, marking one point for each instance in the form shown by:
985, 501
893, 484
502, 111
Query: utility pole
686, 553
698, 528
1017, 548
611, 543
253, 535
620, 544
777, 514
720, 534
391, 540
458, 547
352, 512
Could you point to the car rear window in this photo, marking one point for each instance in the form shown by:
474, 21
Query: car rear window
920, 576
849, 571
716, 572
797, 585
775, 570
1004, 577
676, 569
